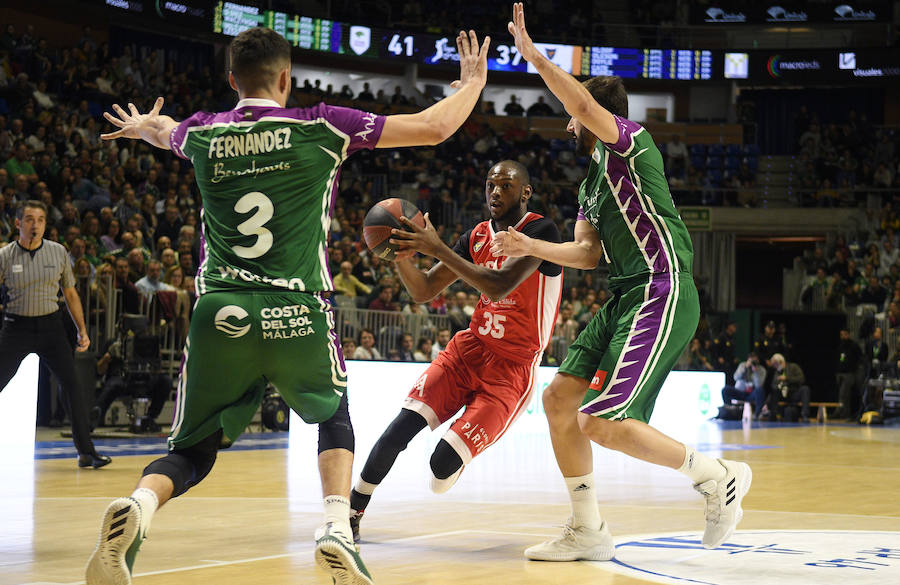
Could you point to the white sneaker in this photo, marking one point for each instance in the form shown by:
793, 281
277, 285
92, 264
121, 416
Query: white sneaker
336, 553
121, 535
575, 544
440, 486
723, 502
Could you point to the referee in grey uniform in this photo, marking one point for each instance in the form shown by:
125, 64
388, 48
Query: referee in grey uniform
33, 270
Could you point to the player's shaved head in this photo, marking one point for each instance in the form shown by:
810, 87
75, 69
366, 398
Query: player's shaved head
516, 167
258, 55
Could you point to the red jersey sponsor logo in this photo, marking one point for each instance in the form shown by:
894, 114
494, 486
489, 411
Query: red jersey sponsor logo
597, 380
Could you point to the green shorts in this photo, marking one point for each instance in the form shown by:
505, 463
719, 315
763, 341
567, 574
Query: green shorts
631, 344
240, 341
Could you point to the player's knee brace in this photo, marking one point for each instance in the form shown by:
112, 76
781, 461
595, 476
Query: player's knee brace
187, 467
402, 429
337, 432
445, 461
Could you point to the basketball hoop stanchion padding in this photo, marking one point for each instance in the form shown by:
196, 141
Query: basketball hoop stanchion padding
18, 411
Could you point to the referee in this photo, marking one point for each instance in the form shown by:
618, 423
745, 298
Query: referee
33, 270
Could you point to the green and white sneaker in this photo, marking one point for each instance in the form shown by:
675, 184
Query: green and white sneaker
121, 535
336, 553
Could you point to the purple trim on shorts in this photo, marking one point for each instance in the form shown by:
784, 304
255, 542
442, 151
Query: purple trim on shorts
636, 356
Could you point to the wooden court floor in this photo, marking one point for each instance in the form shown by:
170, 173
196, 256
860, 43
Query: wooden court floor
252, 520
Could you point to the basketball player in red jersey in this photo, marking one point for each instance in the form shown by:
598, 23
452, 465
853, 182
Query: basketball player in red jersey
491, 367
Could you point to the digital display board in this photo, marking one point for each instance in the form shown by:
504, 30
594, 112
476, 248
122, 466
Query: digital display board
378, 43
824, 66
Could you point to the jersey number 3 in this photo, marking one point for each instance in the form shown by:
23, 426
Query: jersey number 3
253, 226
493, 324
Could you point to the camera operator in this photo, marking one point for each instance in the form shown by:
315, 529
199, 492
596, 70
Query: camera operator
122, 374
787, 385
749, 384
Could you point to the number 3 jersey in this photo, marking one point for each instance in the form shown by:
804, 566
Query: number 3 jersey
519, 326
268, 177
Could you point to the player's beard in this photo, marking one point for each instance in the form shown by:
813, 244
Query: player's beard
584, 142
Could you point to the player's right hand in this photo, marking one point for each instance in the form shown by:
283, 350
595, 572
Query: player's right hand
472, 59
516, 28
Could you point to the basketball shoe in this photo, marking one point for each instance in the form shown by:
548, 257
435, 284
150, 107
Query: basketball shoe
440, 486
575, 544
121, 535
723, 502
355, 519
336, 553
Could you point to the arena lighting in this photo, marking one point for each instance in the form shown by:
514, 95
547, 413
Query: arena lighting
376, 391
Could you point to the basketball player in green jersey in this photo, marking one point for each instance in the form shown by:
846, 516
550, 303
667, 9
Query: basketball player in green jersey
268, 176
606, 387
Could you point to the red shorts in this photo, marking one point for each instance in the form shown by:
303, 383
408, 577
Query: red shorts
493, 389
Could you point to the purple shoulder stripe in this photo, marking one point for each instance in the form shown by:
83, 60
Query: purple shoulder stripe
179, 133
581, 215
627, 129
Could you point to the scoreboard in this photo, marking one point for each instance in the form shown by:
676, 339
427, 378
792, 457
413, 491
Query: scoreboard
231, 18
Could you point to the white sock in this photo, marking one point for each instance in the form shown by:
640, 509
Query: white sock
701, 468
149, 503
584, 501
364, 487
337, 509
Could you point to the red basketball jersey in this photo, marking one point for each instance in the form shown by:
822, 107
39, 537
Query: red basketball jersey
519, 326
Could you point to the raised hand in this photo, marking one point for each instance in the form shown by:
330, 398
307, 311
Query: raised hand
516, 28
130, 125
472, 59
510, 243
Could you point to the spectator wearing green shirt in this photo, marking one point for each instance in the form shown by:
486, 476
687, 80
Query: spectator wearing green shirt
18, 164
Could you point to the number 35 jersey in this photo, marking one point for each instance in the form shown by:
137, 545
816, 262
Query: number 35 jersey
519, 326
268, 177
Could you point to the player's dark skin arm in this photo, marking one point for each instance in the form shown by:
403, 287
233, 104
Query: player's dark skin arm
494, 284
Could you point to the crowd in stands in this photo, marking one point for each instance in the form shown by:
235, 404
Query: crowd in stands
839, 163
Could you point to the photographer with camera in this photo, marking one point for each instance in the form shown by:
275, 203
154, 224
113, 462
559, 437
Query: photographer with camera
787, 385
130, 367
749, 384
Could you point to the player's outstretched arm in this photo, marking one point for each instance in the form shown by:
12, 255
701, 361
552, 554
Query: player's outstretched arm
150, 127
494, 284
440, 121
574, 97
583, 253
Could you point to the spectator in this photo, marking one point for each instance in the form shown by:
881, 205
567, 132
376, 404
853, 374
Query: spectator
423, 350
788, 386
768, 344
150, 284
723, 352
347, 284
849, 370
130, 295
384, 302
876, 354
513, 108
699, 357
366, 349
539, 108
676, 157
19, 164
348, 348
405, 353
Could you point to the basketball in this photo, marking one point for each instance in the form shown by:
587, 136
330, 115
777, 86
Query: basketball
382, 218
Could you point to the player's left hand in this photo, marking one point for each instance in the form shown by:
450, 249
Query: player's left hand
84, 342
131, 124
510, 243
421, 239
